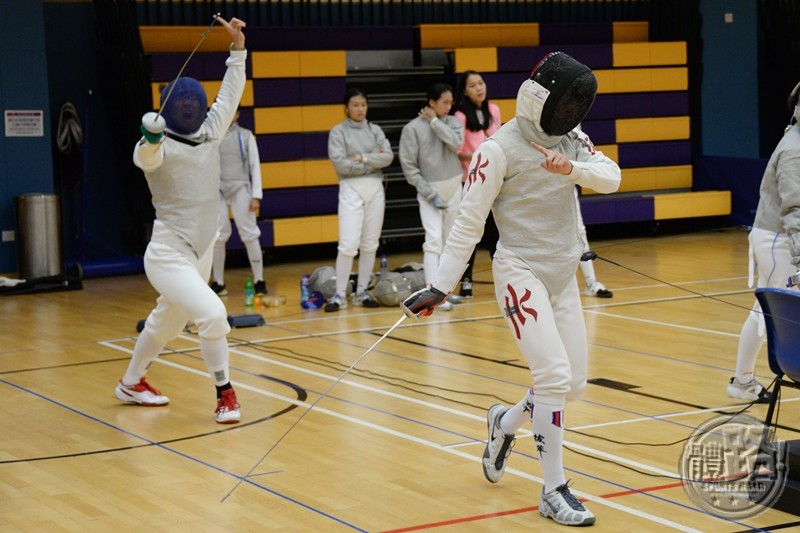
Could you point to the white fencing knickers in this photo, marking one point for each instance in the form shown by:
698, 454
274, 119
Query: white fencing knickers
246, 223
550, 331
180, 280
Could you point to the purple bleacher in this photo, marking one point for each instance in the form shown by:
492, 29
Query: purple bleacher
246, 118
297, 202
273, 92
322, 90
165, 66
206, 66
655, 154
367, 38
267, 236
338, 38
214, 65
524, 58
600, 131
669, 104
492, 80
632, 105
315, 145
508, 84
280, 147
576, 33
322, 200
609, 210
279, 203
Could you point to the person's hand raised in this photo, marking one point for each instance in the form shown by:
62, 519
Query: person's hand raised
234, 28
554, 162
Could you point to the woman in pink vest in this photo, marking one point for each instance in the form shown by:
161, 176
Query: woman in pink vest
480, 119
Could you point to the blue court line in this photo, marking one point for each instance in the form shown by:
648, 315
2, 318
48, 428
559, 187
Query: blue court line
184, 455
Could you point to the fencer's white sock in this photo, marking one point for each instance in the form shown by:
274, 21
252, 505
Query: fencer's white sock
587, 268
344, 264
518, 415
548, 437
366, 265
144, 353
218, 263
430, 263
749, 347
254, 254
215, 355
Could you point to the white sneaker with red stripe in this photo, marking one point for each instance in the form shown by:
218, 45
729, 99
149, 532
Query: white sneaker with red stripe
142, 393
227, 408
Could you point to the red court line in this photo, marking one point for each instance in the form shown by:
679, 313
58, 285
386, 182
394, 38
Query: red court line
523, 510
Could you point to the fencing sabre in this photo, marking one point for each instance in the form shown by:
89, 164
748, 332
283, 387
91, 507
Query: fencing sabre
172, 85
321, 396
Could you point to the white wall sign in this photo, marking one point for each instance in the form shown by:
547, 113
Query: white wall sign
24, 123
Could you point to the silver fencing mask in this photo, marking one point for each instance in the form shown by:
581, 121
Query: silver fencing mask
392, 288
185, 108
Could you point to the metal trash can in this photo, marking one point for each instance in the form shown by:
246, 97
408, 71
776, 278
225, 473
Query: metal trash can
38, 228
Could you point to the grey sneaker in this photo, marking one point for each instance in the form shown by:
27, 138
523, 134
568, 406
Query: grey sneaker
560, 505
752, 391
498, 445
455, 299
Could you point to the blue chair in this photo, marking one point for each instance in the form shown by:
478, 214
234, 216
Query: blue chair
781, 309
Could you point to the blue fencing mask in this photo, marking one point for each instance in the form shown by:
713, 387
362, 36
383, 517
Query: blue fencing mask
186, 106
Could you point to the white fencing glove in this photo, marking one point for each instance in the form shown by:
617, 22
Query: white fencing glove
153, 126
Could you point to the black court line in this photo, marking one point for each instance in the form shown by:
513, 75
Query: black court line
771, 528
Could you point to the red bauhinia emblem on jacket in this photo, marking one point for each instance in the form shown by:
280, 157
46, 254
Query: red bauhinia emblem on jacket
516, 309
476, 173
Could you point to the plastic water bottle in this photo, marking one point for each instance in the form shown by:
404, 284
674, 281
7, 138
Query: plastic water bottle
249, 293
305, 289
384, 266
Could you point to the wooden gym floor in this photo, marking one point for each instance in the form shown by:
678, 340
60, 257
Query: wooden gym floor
396, 443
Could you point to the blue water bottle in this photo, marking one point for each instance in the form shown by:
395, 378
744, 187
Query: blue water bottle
305, 289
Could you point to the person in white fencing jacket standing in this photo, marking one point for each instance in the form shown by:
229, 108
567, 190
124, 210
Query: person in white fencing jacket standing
526, 173
179, 154
241, 192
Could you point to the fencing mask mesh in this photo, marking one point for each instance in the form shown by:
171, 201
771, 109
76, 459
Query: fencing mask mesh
186, 106
572, 87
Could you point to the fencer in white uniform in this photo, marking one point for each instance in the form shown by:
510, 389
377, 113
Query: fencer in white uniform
774, 250
240, 192
525, 173
593, 286
183, 173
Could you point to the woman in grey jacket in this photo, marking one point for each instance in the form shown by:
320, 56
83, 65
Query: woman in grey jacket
774, 250
358, 150
429, 147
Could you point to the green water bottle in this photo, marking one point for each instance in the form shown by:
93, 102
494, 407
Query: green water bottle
249, 293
